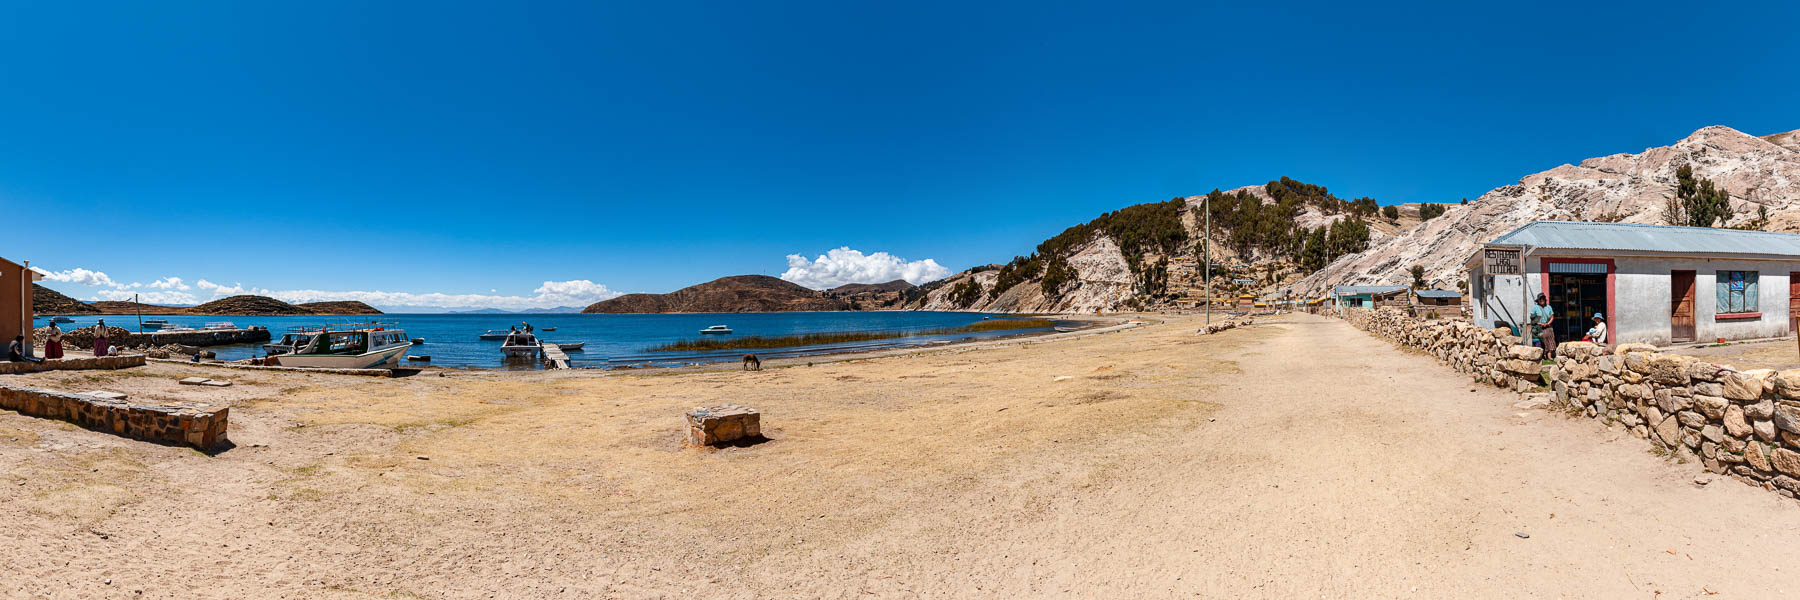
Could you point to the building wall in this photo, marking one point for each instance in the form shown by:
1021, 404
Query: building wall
15, 302
1641, 297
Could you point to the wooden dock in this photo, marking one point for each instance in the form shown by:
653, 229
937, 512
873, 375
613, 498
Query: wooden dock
554, 356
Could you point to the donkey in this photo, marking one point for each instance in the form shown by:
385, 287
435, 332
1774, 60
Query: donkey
752, 363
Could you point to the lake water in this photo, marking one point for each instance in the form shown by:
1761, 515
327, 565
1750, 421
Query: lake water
612, 340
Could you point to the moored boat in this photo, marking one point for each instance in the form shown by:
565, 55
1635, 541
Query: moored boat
351, 346
521, 344
495, 334
570, 346
61, 320
719, 329
296, 337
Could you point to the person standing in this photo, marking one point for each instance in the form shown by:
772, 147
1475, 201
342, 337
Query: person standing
100, 346
1541, 319
53, 343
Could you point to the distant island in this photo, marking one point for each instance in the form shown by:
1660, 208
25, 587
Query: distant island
45, 301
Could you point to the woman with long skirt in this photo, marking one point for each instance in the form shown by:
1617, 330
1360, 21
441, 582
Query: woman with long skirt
100, 339
53, 343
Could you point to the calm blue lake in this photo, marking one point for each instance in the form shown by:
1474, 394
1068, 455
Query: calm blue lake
612, 340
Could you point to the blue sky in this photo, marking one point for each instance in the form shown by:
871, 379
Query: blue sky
484, 149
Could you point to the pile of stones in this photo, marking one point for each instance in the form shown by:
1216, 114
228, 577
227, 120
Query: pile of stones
1225, 325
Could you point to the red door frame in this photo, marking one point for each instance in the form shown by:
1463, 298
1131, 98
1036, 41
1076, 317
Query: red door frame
1612, 314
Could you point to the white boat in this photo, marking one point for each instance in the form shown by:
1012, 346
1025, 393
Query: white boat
352, 346
61, 320
496, 334
570, 346
521, 344
296, 337
717, 329
176, 327
154, 323
220, 325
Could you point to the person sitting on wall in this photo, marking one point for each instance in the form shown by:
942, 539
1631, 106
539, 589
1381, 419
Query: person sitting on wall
1598, 333
15, 352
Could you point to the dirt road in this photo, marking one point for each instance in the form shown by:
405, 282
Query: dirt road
1298, 458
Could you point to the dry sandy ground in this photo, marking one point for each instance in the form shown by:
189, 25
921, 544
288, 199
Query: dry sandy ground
1767, 354
1294, 458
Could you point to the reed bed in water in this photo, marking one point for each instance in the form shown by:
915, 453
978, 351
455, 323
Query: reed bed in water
822, 339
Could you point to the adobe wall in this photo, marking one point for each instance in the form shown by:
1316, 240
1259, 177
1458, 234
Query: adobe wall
1742, 423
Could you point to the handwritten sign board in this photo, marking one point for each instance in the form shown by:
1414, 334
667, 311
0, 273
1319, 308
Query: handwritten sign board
1501, 261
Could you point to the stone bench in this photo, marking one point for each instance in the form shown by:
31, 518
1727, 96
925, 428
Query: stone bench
723, 424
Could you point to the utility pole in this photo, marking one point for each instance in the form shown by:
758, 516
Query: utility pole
138, 305
1206, 255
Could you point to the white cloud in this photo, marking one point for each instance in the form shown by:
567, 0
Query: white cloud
169, 283
82, 277
844, 265
168, 297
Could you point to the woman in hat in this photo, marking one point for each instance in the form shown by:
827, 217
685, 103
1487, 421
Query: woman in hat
1598, 333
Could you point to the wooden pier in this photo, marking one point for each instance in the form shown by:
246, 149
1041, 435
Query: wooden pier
554, 356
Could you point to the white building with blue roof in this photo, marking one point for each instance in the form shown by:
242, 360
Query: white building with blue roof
1654, 284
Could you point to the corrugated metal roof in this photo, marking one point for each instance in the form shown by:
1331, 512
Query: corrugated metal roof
1367, 289
1566, 235
1439, 294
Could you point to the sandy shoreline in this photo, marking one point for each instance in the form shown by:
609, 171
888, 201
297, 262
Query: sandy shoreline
1276, 461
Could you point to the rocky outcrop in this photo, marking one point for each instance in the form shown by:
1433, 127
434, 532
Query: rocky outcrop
1632, 188
740, 293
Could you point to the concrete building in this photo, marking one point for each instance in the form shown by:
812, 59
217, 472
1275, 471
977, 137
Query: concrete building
15, 300
1656, 284
1370, 296
1437, 299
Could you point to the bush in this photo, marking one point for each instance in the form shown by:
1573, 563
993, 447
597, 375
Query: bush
965, 294
1428, 212
1391, 212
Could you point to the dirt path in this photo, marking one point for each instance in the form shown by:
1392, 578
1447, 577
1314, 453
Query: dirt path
1289, 459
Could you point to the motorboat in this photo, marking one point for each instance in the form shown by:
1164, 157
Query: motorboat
154, 324
520, 344
570, 346
296, 337
719, 329
220, 325
546, 329
418, 341
351, 346
61, 320
495, 334
175, 328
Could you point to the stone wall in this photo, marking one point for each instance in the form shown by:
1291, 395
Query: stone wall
1742, 423
121, 361
219, 337
203, 429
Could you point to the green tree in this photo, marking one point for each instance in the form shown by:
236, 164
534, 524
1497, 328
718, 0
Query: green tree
965, 294
1429, 211
1697, 201
1418, 275
1391, 212
1057, 273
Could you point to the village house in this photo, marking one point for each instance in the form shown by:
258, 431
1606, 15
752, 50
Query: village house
15, 299
1655, 284
1370, 296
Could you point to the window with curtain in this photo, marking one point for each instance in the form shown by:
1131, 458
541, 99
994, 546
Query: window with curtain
1737, 292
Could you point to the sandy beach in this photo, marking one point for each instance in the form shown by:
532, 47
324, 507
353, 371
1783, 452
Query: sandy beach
1294, 457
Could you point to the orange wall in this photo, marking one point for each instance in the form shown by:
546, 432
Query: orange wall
15, 302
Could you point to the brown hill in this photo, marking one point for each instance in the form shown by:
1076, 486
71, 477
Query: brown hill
46, 301
234, 305
897, 285
120, 307
338, 307
740, 293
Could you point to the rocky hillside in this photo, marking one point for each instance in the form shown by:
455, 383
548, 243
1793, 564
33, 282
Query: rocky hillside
46, 301
232, 306
740, 293
338, 307
1760, 174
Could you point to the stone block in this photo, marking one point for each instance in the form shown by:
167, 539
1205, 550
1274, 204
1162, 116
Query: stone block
1709, 388
104, 395
1765, 430
1741, 386
1713, 433
193, 380
1700, 370
1691, 419
1735, 423
1639, 362
1670, 369
1608, 364
1669, 431
1525, 353
723, 424
1785, 383
1786, 461
1711, 406
1787, 416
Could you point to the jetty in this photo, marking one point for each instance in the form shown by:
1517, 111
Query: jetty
554, 357
201, 337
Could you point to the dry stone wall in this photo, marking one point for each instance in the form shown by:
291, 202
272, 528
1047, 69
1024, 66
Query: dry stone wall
203, 429
60, 364
1742, 423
